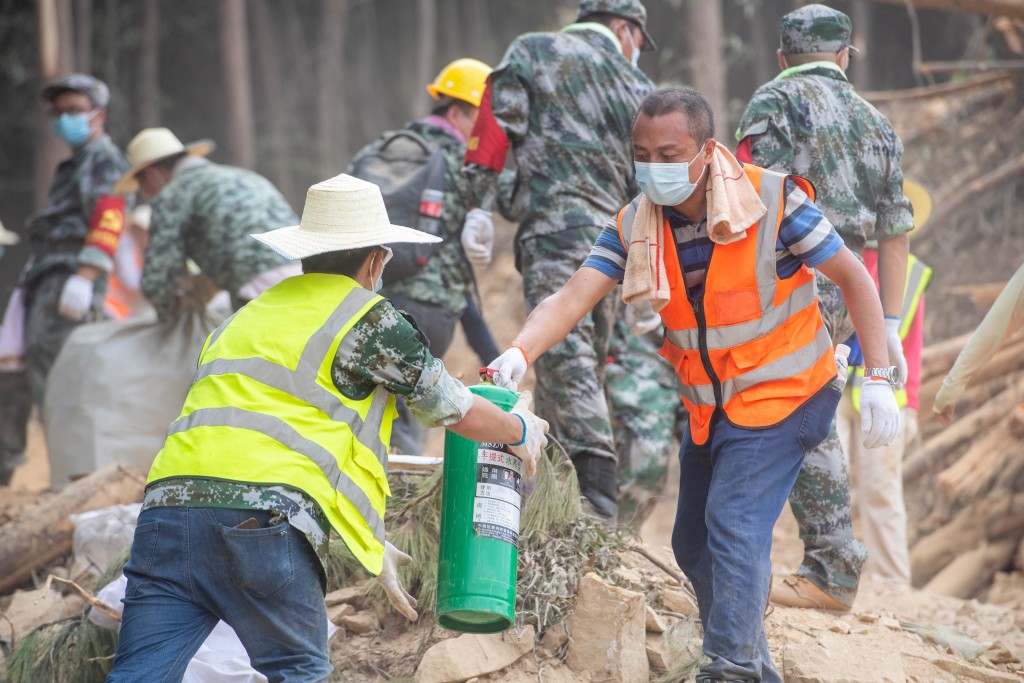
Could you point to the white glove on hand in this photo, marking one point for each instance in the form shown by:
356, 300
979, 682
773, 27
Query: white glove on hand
641, 318
478, 237
510, 366
388, 579
879, 413
895, 344
76, 298
534, 439
842, 364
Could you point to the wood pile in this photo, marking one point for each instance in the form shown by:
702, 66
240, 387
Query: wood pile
965, 482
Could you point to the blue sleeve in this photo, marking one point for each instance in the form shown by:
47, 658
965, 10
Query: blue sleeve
805, 232
608, 255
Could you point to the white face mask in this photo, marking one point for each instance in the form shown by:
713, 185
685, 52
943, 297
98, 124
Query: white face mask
634, 56
667, 184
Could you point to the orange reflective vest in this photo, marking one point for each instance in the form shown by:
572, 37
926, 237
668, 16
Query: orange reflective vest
753, 346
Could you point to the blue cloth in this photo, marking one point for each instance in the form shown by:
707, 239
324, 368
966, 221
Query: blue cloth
190, 567
731, 491
805, 237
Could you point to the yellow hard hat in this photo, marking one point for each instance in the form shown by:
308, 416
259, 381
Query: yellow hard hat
922, 203
463, 79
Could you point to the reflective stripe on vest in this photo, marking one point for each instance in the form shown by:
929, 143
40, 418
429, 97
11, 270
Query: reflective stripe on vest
764, 341
286, 427
918, 276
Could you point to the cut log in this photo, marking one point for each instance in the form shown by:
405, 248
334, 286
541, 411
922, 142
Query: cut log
972, 571
41, 535
976, 395
939, 357
982, 296
933, 552
956, 88
982, 462
981, 184
967, 427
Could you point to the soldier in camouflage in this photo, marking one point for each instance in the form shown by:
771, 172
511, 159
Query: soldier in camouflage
204, 212
564, 102
437, 295
810, 121
73, 240
647, 415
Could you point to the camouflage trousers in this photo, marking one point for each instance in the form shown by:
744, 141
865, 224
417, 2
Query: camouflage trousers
646, 411
570, 376
820, 499
46, 330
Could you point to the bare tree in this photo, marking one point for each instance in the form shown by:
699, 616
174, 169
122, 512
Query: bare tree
707, 58
331, 120
56, 56
1013, 9
148, 111
234, 42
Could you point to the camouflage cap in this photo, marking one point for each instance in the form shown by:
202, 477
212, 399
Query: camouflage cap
90, 86
815, 28
633, 10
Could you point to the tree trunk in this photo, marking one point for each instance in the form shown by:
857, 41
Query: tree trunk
42, 534
234, 41
331, 122
273, 98
707, 60
863, 63
1006, 8
148, 112
426, 54
83, 35
56, 56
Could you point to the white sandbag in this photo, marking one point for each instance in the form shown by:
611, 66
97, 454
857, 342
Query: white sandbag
101, 535
115, 388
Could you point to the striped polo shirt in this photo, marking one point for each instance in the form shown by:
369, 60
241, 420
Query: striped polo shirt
805, 237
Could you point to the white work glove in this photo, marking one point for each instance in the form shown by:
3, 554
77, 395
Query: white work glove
478, 237
510, 367
388, 579
534, 437
641, 318
879, 413
76, 298
842, 364
895, 344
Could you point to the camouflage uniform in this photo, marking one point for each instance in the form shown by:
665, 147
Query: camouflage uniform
566, 102
810, 121
382, 348
206, 213
643, 396
57, 236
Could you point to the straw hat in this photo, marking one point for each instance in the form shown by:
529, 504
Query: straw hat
340, 213
150, 146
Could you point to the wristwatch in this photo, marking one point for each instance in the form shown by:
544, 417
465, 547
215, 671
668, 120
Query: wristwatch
891, 374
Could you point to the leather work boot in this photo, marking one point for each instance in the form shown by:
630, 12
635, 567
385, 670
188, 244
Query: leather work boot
798, 591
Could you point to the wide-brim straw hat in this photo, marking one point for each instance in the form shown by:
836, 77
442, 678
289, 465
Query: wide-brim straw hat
340, 214
152, 145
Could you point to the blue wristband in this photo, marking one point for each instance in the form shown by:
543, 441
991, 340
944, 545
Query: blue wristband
892, 317
522, 440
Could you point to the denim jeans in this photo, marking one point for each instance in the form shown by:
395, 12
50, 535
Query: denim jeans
190, 567
731, 491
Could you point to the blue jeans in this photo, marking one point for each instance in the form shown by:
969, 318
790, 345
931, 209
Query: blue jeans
190, 567
731, 491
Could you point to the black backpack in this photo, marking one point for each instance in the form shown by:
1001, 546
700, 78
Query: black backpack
410, 173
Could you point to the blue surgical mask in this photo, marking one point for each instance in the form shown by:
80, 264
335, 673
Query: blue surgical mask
73, 128
380, 283
666, 184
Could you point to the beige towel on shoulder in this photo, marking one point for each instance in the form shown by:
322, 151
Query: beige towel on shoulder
645, 278
733, 204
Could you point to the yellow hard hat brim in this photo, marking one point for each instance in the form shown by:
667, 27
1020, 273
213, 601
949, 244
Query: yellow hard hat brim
921, 200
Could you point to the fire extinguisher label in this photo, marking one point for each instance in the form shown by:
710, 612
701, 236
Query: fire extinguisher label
499, 477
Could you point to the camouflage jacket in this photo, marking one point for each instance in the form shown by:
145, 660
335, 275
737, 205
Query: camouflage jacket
566, 102
810, 121
57, 232
382, 348
446, 278
206, 213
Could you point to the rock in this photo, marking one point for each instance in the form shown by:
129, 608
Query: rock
555, 637
336, 612
890, 623
472, 655
29, 609
836, 659
653, 621
628, 574
361, 623
868, 617
839, 626
959, 667
608, 633
345, 595
678, 601
657, 656
997, 653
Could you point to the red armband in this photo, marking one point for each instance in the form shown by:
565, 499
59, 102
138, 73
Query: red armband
743, 153
488, 145
106, 225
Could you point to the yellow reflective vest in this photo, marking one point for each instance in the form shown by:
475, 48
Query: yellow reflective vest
263, 409
918, 276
